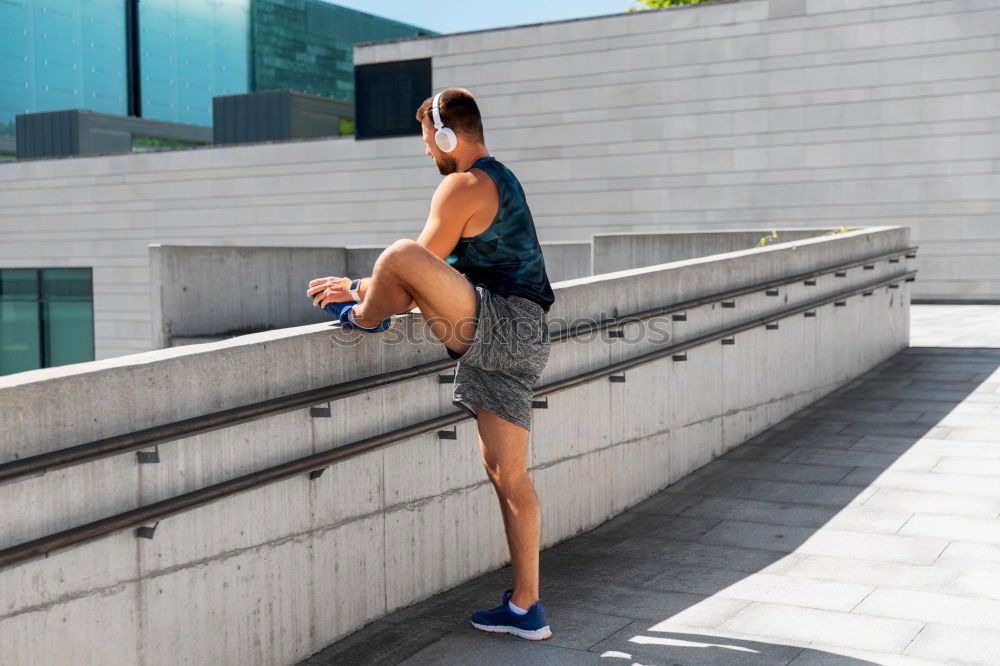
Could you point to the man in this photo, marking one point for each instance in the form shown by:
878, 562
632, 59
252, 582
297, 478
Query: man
477, 274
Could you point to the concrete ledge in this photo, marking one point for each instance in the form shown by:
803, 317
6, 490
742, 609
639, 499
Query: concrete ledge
616, 252
203, 292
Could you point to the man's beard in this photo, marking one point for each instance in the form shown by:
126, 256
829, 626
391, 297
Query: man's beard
447, 165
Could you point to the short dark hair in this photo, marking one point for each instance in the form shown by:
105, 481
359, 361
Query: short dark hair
459, 111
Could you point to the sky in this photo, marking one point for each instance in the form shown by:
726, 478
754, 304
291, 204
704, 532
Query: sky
445, 17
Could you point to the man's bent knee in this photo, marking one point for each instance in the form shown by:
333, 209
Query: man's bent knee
400, 252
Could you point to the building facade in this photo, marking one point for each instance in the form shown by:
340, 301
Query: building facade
68, 54
74, 54
748, 114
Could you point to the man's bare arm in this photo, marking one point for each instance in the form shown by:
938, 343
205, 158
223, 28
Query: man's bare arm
454, 202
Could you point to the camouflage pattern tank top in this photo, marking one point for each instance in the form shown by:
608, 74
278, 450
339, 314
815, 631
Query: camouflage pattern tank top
506, 257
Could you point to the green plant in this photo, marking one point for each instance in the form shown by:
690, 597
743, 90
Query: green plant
143, 143
657, 4
837, 231
764, 240
773, 236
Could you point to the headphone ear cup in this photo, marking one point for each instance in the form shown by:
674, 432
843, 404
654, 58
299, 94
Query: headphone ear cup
446, 139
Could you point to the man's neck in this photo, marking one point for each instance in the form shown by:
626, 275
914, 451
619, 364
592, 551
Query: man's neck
463, 162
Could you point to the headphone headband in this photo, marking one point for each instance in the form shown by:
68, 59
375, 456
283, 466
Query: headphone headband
443, 136
436, 111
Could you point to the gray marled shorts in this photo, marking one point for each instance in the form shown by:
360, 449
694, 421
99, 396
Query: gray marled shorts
499, 370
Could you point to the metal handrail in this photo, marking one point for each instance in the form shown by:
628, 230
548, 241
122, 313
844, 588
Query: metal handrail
318, 461
139, 439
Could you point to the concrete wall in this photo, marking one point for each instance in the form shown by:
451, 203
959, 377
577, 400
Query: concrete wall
750, 114
564, 260
753, 114
195, 288
619, 252
201, 292
222, 291
567, 260
273, 574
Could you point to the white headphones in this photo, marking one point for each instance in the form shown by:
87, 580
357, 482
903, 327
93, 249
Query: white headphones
444, 137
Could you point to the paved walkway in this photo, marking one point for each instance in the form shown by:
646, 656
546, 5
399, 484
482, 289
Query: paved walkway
864, 529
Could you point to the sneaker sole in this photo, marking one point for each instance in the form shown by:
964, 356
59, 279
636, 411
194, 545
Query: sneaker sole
529, 634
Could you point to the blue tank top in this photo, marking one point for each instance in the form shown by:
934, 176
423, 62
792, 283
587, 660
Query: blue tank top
506, 257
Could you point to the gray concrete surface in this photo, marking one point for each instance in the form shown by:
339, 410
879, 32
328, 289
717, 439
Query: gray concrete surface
955, 326
619, 252
203, 293
271, 575
864, 529
564, 260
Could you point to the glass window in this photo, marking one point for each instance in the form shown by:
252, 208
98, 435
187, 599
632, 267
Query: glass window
46, 318
20, 323
308, 45
61, 55
191, 52
387, 97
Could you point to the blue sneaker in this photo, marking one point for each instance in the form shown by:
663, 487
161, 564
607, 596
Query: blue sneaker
340, 310
533, 625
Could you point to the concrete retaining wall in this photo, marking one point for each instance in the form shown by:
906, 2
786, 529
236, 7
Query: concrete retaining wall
619, 252
564, 260
273, 574
749, 114
222, 291
200, 293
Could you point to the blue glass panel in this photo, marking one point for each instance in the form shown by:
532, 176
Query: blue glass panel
67, 284
190, 53
20, 337
67, 316
19, 284
69, 332
20, 327
307, 44
61, 54
46, 318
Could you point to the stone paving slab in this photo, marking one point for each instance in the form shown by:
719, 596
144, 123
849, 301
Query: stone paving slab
930, 503
954, 528
761, 511
970, 557
456, 649
950, 644
976, 584
866, 572
933, 607
695, 649
798, 623
820, 654
864, 530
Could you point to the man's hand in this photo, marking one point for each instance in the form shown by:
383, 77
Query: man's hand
330, 290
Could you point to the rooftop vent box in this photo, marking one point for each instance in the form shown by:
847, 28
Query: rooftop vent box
277, 115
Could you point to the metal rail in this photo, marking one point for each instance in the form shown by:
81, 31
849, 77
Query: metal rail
316, 462
139, 439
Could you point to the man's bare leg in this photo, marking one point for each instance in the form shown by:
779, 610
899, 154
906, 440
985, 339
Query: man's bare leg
408, 271
505, 451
